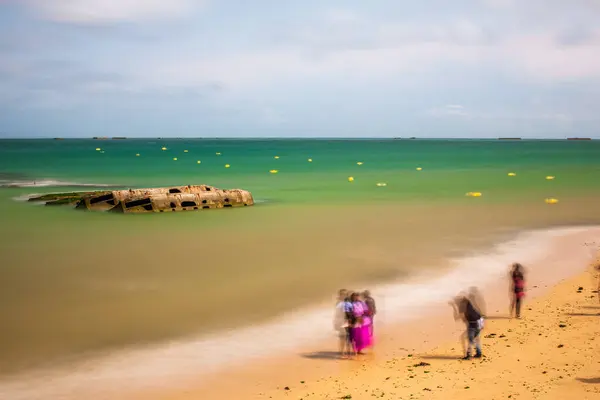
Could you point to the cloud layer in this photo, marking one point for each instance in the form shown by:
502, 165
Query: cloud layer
278, 68
109, 11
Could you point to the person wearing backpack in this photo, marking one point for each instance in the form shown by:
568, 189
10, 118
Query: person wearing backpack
465, 310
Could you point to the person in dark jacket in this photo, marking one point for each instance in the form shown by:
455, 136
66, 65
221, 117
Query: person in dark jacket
467, 312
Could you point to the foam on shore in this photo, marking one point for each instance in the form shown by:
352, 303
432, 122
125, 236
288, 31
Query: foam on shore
164, 365
47, 183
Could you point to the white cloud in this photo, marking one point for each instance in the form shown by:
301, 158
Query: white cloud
450, 110
342, 16
459, 111
353, 47
347, 48
532, 57
500, 4
108, 11
541, 57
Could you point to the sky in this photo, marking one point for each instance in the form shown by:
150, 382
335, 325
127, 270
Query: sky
274, 68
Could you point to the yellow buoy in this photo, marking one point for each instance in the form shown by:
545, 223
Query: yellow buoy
549, 177
137, 155
198, 162
419, 169
164, 148
98, 149
217, 153
474, 194
551, 201
380, 184
185, 151
276, 157
227, 165
273, 171
359, 163
512, 174
350, 179
310, 160
174, 158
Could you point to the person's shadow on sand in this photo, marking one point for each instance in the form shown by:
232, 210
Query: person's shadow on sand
583, 314
589, 380
439, 357
323, 355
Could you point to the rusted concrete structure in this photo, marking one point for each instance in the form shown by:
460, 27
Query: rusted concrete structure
175, 198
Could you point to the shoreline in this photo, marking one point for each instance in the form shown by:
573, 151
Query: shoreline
319, 371
551, 353
268, 369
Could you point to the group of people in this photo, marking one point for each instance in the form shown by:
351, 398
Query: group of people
471, 309
355, 313
354, 321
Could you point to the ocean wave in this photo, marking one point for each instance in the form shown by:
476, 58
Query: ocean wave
166, 364
47, 183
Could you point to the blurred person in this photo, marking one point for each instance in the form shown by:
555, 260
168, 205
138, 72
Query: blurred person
341, 322
360, 336
517, 289
597, 267
477, 300
372, 310
468, 313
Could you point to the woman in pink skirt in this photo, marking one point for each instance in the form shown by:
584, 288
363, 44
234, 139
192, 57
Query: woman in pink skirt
360, 332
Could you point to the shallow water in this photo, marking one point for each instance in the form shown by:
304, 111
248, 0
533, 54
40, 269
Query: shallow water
74, 284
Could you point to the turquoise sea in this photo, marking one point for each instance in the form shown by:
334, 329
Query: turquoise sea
75, 284
450, 167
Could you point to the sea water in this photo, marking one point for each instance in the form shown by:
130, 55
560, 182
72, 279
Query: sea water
85, 285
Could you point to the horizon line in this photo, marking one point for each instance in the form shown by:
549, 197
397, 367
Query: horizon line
118, 138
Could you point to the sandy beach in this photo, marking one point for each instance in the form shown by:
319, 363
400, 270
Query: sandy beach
547, 353
551, 353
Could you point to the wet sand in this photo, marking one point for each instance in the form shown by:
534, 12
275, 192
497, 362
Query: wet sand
78, 285
310, 369
551, 353
137, 328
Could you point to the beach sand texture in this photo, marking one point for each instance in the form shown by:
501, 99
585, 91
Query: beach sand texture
551, 354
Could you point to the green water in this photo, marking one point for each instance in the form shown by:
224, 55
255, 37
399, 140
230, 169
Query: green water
450, 168
74, 282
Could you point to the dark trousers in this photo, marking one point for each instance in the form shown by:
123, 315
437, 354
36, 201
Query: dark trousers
474, 339
517, 304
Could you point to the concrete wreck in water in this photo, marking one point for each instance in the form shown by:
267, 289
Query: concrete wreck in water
177, 198
168, 199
